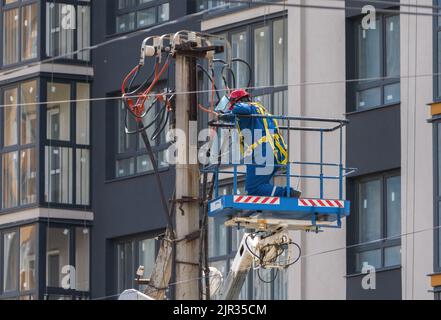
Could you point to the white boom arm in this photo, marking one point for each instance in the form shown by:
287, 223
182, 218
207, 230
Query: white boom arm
244, 260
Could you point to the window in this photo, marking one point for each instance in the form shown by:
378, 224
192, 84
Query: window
263, 46
131, 154
68, 29
222, 247
67, 252
437, 54
20, 31
378, 217
67, 146
19, 155
138, 14
199, 5
377, 63
19, 261
437, 194
130, 254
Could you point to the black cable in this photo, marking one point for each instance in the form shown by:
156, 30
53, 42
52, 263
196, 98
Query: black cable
250, 69
211, 79
268, 281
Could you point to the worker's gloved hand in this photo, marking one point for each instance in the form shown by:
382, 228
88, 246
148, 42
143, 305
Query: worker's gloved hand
293, 193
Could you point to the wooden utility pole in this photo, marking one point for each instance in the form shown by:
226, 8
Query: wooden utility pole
187, 182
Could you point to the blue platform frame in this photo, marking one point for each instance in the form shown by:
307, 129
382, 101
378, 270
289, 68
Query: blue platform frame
287, 208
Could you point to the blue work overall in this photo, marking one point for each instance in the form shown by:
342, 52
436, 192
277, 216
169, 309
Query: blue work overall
265, 131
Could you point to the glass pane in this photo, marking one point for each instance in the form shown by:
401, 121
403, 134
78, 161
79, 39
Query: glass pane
126, 3
368, 98
125, 22
392, 256
439, 63
369, 52
83, 174
150, 122
10, 261
439, 234
371, 258
57, 256
10, 180
164, 12
147, 256
28, 118
82, 258
162, 160
83, 33
370, 210
125, 167
392, 93
239, 43
28, 258
58, 175
146, 17
83, 114
11, 36
143, 164
29, 27
28, 176
281, 285
393, 189
393, 46
58, 112
217, 232
10, 117
262, 57
262, 290
126, 266
125, 141
280, 63
60, 29
439, 157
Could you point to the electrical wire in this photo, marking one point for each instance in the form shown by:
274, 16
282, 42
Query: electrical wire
341, 8
280, 86
201, 14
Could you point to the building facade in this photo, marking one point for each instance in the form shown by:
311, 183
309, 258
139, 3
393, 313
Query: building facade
79, 206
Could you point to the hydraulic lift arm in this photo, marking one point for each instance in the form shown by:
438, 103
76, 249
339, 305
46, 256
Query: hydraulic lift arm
262, 249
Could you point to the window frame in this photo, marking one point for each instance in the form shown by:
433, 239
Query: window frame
357, 87
19, 4
249, 27
71, 144
436, 54
17, 293
355, 247
436, 196
73, 293
18, 147
135, 241
44, 32
137, 8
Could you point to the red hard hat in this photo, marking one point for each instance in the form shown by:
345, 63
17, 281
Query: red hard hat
236, 95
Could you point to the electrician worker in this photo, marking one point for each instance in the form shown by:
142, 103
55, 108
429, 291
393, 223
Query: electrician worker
257, 183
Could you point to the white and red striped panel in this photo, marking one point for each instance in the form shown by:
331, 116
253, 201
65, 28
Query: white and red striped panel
321, 203
257, 200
